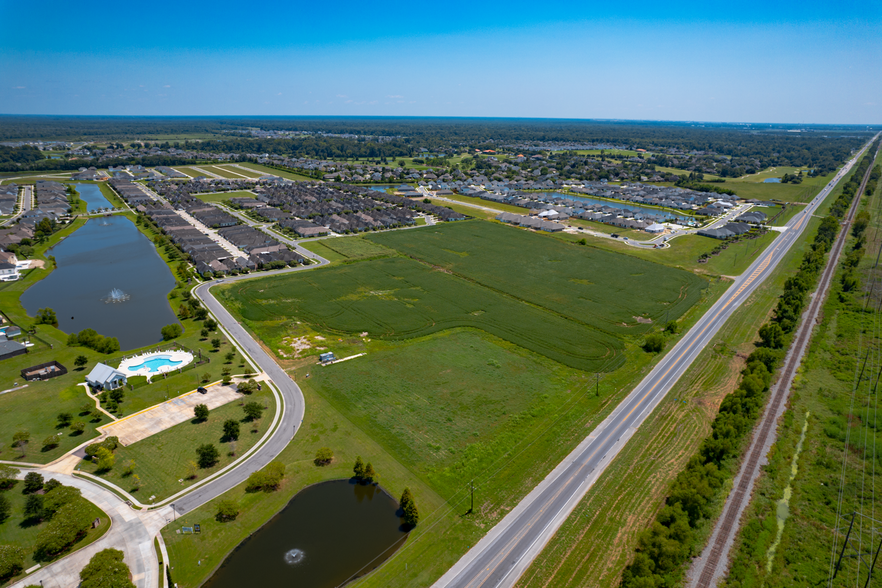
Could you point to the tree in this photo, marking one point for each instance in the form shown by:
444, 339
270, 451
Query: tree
208, 455
106, 569
5, 509
206, 377
171, 331
117, 395
268, 478
34, 507
248, 387
204, 333
64, 419
230, 356
216, 343
50, 442
106, 459
129, 468
227, 510
65, 527
772, 336
408, 507
253, 410
654, 343
32, 482
672, 327
51, 485
192, 469
7, 476
81, 361
201, 412
78, 427
369, 473
358, 468
20, 439
231, 429
12, 558
184, 312
323, 456
211, 324
46, 316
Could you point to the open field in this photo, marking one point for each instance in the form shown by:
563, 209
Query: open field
501, 207
682, 172
276, 172
555, 418
161, 460
397, 298
597, 541
248, 173
347, 248
837, 409
17, 530
467, 210
189, 171
222, 172
224, 196
603, 290
685, 251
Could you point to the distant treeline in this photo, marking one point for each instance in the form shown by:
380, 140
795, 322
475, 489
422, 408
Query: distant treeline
75, 164
819, 147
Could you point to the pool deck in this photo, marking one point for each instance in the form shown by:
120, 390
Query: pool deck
160, 417
183, 357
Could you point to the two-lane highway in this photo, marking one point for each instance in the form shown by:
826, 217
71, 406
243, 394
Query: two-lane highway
502, 556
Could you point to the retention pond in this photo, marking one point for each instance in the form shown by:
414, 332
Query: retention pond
93, 197
328, 534
107, 254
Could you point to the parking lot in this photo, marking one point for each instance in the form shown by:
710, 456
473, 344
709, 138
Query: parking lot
168, 414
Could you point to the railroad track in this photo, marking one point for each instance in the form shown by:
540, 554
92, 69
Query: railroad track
729, 524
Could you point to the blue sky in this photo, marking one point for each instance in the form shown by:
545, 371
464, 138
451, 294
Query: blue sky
782, 61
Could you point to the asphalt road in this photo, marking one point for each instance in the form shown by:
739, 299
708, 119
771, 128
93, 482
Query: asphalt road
292, 398
505, 552
27, 201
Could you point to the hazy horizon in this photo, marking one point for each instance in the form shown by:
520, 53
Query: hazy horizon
789, 63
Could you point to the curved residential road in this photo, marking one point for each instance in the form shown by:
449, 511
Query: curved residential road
504, 553
293, 405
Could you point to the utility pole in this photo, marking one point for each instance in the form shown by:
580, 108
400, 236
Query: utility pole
472, 488
597, 391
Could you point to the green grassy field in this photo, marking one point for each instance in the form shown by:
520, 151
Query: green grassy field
264, 170
17, 530
161, 460
240, 170
397, 298
501, 207
221, 171
346, 248
189, 171
224, 196
685, 251
603, 290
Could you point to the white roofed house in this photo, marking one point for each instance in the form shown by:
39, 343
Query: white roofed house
105, 377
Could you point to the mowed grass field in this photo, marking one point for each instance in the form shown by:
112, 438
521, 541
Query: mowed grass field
604, 290
268, 171
347, 248
223, 196
397, 298
160, 460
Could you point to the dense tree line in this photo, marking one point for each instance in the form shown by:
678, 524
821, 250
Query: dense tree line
75, 164
24, 154
819, 147
850, 188
664, 548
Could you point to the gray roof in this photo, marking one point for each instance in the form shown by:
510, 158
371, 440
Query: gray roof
7, 347
102, 373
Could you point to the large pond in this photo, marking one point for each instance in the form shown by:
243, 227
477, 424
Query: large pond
656, 212
328, 534
91, 193
107, 253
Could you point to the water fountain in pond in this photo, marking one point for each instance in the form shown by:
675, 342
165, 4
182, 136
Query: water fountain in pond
293, 557
116, 296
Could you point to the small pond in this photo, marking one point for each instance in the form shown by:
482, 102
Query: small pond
772, 181
328, 534
93, 197
107, 254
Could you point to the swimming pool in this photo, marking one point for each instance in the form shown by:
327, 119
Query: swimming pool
155, 364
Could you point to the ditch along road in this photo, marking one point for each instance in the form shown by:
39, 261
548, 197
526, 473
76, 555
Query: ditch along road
507, 550
712, 565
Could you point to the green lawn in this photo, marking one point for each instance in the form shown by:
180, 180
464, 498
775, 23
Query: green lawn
355, 247
189, 171
18, 531
494, 205
239, 170
161, 459
222, 172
